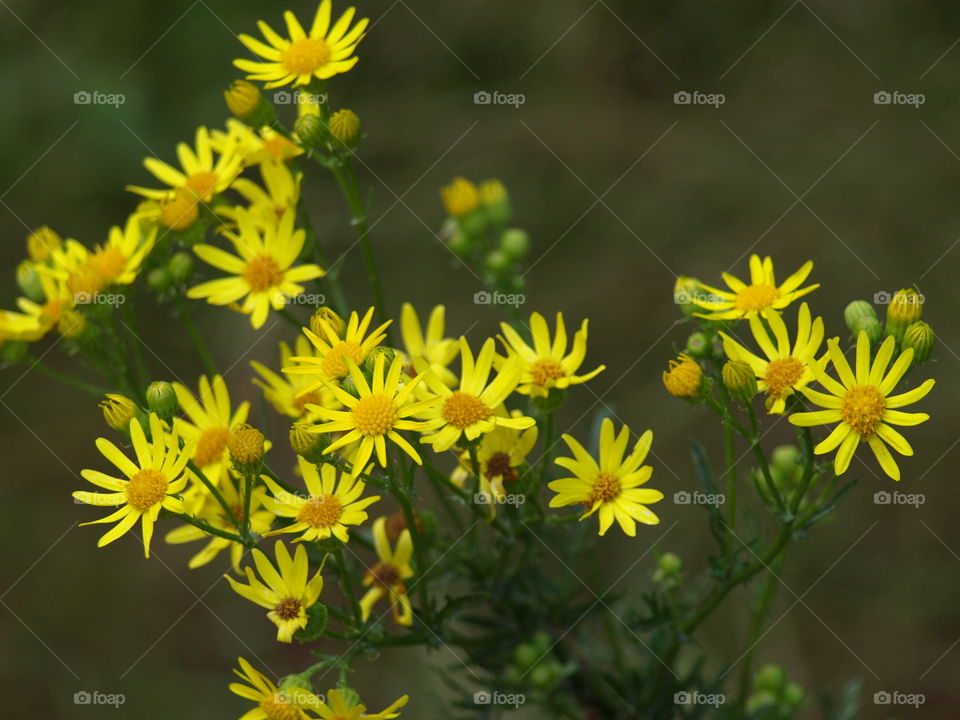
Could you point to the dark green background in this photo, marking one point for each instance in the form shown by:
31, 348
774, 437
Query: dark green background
872, 593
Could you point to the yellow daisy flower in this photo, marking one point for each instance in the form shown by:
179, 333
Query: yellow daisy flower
57, 298
470, 410
290, 394
862, 405
209, 423
784, 370
18, 326
338, 707
683, 377
742, 300
262, 273
200, 173
287, 594
546, 364
374, 417
322, 53
152, 482
433, 348
612, 485
327, 511
272, 703
386, 578
268, 203
333, 349
254, 146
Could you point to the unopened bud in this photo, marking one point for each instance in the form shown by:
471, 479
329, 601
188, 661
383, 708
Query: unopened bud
739, 380
325, 319
920, 337
42, 242
118, 411
345, 127
905, 308
247, 103
162, 400
246, 445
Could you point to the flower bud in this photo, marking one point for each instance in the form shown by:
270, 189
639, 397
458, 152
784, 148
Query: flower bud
28, 280
306, 444
246, 445
906, 307
159, 279
920, 337
515, 243
248, 104
370, 362
118, 411
180, 267
311, 131
345, 127
497, 261
162, 400
856, 311
685, 289
669, 563
460, 197
699, 345
42, 242
793, 695
324, 319
459, 242
495, 200
71, 324
739, 380
683, 377
871, 326
770, 677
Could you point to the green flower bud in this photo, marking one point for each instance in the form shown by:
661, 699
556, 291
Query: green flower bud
526, 655
785, 458
770, 677
248, 104
906, 307
793, 695
246, 446
739, 380
544, 675
388, 354
180, 267
495, 199
871, 326
28, 280
497, 261
669, 563
159, 279
311, 130
308, 445
473, 223
685, 289
763, 700
459, 242
858, 310
920, 337
699, 345
162, 400
515, 242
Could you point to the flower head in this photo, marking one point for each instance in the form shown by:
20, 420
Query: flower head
272, 703
208, 422
460, 197
386, 578
610, 486
862, 406
335, 345
280, 192
433, 348
321, 53
683, 377
339, 707
291, 393
743, 300
151, 483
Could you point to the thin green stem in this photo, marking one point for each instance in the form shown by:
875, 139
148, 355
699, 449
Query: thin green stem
206, 527
346, 585
761, 608
218, 496
754, 440
205, 357
131, 323
418, 550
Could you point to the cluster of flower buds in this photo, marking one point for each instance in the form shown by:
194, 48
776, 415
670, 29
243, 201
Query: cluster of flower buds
903, 323
773, 695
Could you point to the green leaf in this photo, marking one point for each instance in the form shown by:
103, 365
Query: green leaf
316, 624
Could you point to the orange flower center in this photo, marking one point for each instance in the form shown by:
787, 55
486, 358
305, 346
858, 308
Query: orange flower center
781, 375
463, 409
146, 489
606, 487
277, 707
262, 273
374, 415
288, 609
321, 511
179, 212
545, 370
333, 364
210, 446
108, 263
202, 184
305, 56
301, 401
756, 297
862, 409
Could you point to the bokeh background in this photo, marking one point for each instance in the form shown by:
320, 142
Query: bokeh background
621, 190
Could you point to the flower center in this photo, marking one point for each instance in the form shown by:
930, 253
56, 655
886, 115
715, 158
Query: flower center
462, 409
386, 574
499, 466
333, 364
781, 375
321, 511
301, 401
53, 310
862, 409
108, 263
146, 489
305, 56
210, 446
606, 487
179, 212
262, 273
756, 297
279, 147
202, 183
288, 609
86, 283
544, 371
374, 414
277, 707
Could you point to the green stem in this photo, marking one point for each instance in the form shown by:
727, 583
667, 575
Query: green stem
347, 586
206, 527
731, 462
205, 357
218, 496
760, 611
754, 440
131, 322
418, 551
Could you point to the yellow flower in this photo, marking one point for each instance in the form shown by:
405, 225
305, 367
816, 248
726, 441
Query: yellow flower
17, 326
280, 192
152, 482
209, 423
433, 348
327, 511
253, 146
339, 708
547, 364
743, 300
334, 346
386, 578
272, 703
683, 377
262, 273
784, 370
324, 52
287, 594
862, 405
375, 416
200, 173
470, 410
612, 485
460, 197
291, 393
42, 242
57, 299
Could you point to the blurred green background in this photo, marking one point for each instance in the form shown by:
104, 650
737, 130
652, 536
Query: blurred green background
621, 190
